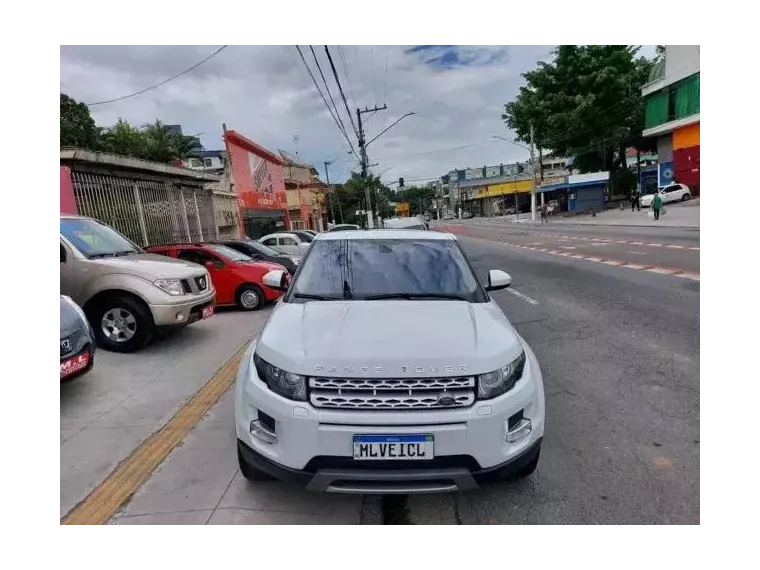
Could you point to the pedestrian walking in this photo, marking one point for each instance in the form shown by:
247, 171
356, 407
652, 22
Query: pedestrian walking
544, 217
632, 198
656, 206
638, 201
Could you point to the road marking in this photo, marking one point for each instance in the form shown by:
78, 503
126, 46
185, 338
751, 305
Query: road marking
636, 252
522, 296
108, 497
567, 246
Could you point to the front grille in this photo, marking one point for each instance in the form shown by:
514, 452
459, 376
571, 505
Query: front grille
186, 286
332, 462
74, 340
392, 393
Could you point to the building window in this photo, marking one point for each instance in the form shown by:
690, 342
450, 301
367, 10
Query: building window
674, 102
195, 163
207, 162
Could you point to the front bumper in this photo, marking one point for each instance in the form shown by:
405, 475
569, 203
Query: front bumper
349, 476
314, 446
186, 310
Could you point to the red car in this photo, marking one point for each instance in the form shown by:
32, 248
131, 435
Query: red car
237, 278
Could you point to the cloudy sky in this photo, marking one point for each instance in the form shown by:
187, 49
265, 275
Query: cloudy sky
264, 92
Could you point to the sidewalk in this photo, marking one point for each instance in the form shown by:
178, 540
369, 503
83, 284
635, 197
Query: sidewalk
681, 215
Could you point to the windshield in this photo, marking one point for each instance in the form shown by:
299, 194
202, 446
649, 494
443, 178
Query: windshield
386, 268
261, 248
229, 253
95, 239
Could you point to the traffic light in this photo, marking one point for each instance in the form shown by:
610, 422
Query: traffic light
400, 182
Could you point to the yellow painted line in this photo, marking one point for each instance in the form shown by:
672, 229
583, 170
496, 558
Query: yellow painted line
108, 497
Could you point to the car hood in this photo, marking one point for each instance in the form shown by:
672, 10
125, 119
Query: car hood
151, 266
646, 199
388, 338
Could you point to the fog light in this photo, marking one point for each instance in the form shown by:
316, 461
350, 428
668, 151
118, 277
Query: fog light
179, 318
518, 432
260, 431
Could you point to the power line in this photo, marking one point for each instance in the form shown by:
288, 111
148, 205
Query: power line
340, 88
165, 81
343, 131
387, 49
327, 88
342, 54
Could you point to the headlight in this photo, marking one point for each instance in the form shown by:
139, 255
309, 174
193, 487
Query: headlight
499, 381
287, 384
295, 260
171, 286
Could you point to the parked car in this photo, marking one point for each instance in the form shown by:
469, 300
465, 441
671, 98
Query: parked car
77, 340
448, 216
305, 235
238, 279
312, 232
288, 243
343, 227
376, 373
125, 292
467, 215
260, 252
672, 193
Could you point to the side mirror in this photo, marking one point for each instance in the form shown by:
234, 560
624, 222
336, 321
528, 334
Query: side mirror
498, 279
214, 265
277, 279
60, 254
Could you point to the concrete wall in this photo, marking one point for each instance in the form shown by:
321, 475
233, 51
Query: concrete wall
681, 61
665, 148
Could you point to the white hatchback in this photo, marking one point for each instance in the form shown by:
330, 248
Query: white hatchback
672, 193
388, 368
287, 243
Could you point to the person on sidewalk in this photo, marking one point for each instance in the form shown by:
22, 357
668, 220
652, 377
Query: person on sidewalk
656, 206
544, 217
632, 198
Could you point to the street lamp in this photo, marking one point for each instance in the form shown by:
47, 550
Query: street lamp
532, 173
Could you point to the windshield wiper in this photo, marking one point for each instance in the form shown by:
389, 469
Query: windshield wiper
315, 297
110, 254
411, 296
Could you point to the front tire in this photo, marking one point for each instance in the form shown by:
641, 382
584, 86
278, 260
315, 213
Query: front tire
250, 472
250, 298
685, 197
121, 324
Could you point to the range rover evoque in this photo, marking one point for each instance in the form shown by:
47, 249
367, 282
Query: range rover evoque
388, 368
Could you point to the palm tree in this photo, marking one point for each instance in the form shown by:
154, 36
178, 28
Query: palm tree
187, 146
160, 143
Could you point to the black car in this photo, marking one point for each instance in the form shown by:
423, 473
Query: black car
259, 251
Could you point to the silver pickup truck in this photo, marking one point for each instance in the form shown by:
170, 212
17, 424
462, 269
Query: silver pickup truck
128, 294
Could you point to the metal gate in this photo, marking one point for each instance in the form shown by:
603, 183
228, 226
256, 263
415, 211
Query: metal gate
149, 210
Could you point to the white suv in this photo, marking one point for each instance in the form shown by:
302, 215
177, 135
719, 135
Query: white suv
388, 368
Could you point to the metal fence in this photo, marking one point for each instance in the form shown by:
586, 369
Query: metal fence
149, 210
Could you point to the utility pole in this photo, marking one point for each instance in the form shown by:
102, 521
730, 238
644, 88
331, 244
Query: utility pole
329, 192
363, 150
533, 176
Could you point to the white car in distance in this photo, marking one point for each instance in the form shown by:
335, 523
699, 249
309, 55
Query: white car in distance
287, 242
669, 194
388, 368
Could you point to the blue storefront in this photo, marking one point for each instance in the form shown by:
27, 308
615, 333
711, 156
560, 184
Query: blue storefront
584, 194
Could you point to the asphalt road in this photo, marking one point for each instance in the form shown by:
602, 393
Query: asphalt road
619, 351
668, 248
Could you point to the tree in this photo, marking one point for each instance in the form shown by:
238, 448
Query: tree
350, 198
160, 143
187, 146
586, 103
77, 125
125, 140
418, 197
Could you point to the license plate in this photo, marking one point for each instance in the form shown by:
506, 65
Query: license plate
207, 311
393, 447
74, 364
